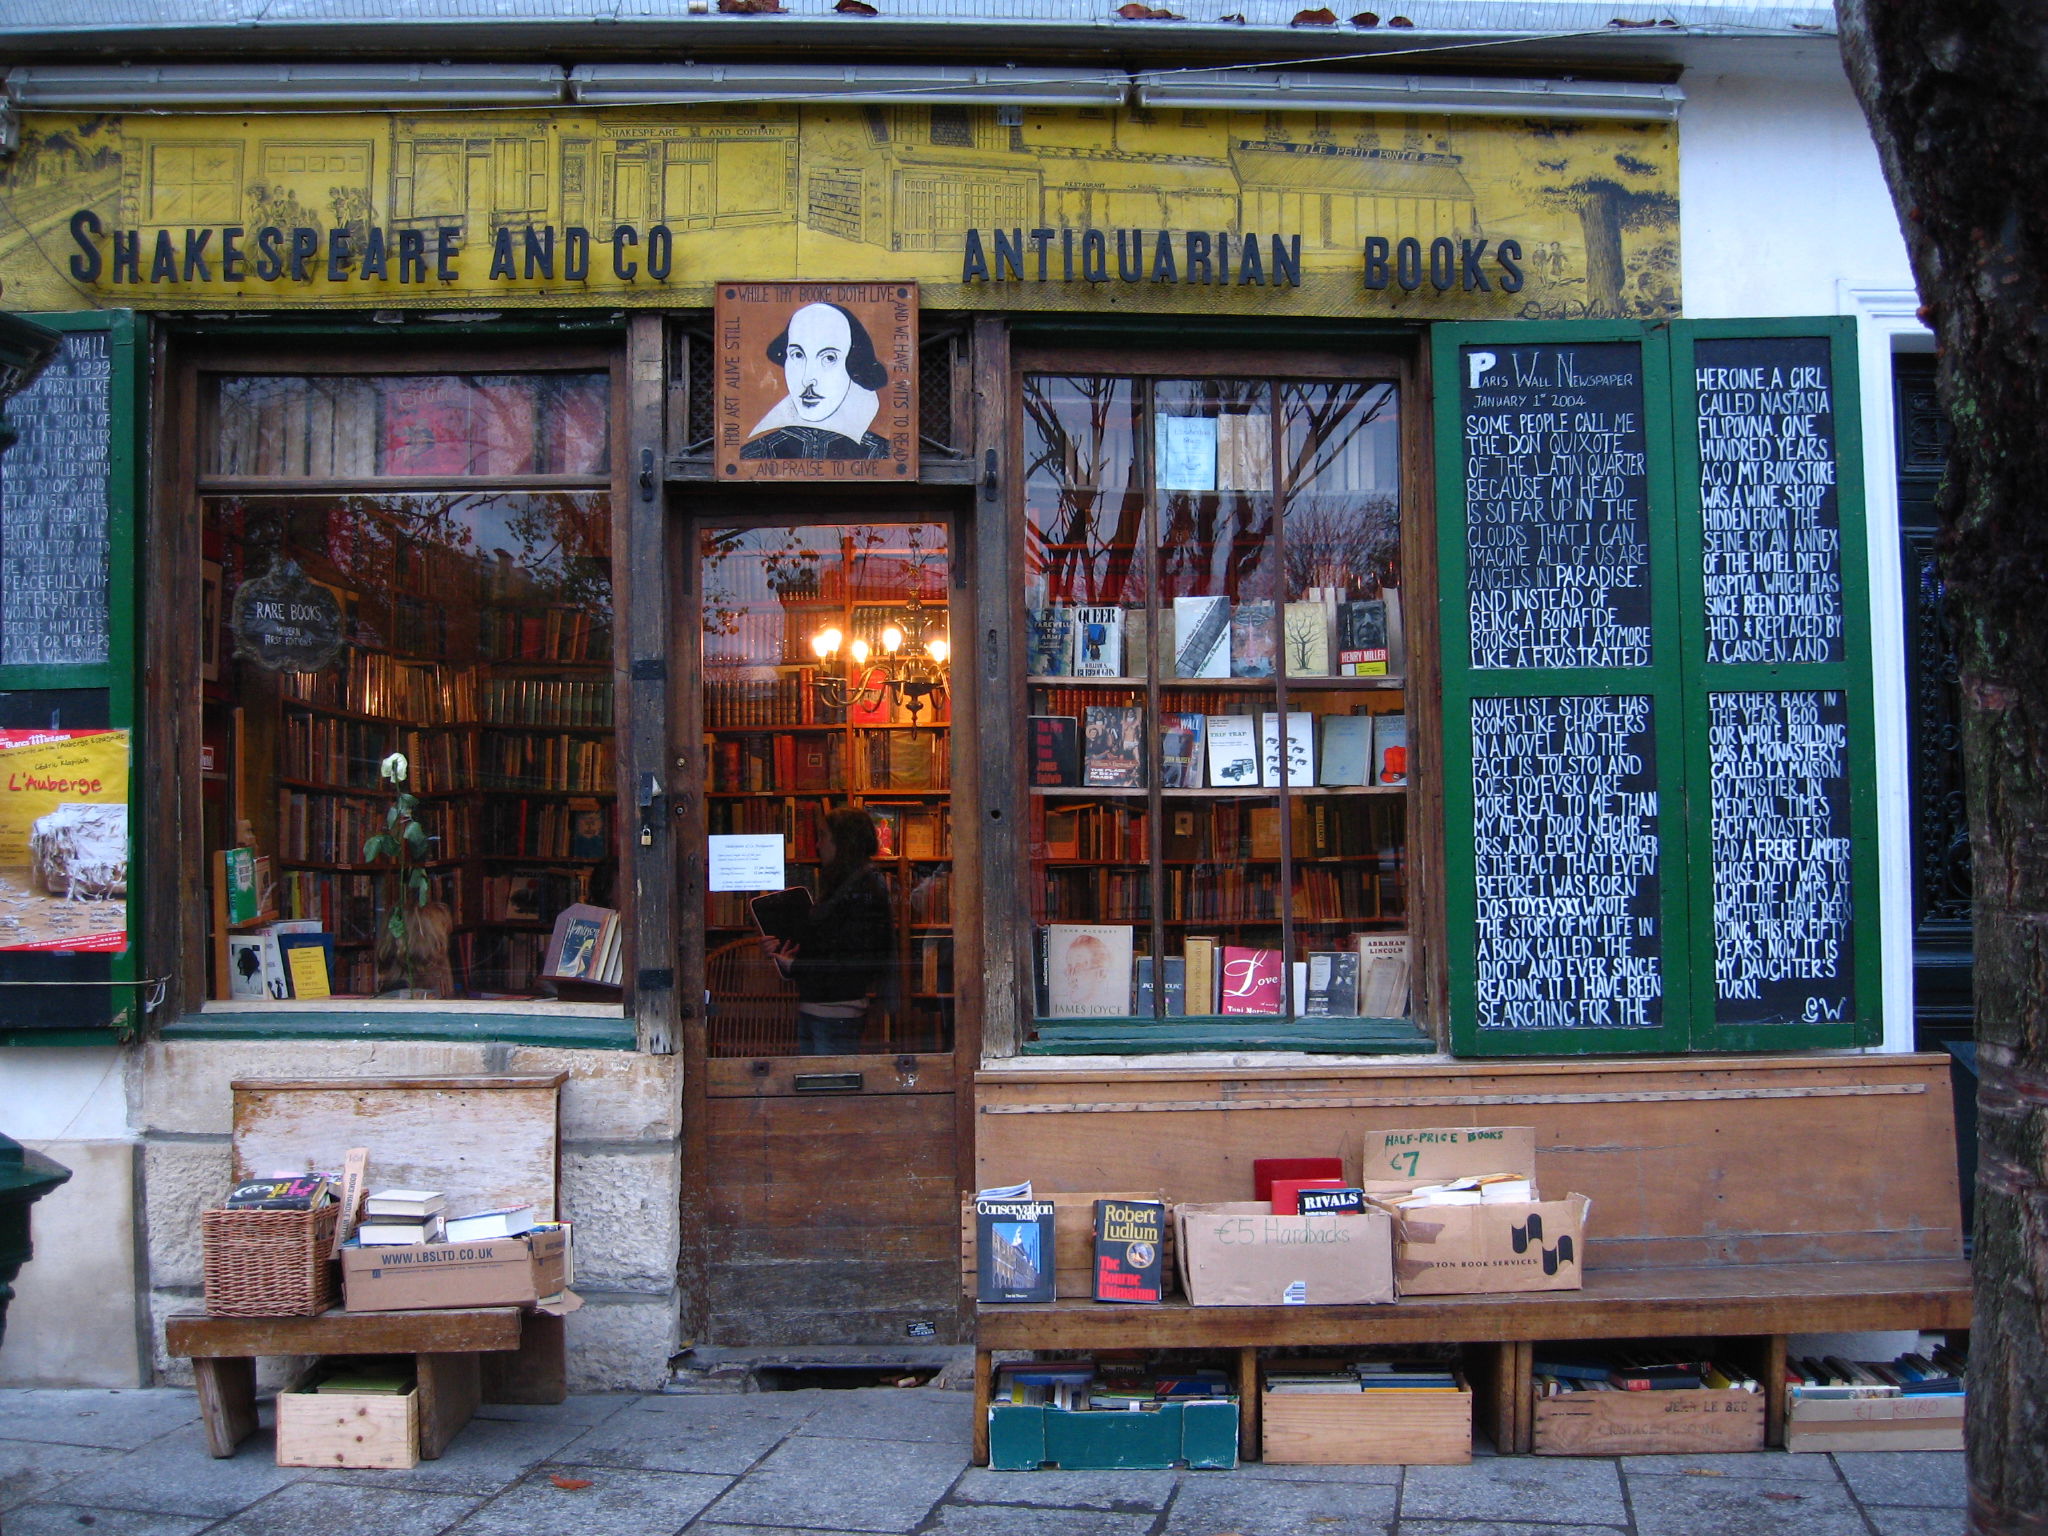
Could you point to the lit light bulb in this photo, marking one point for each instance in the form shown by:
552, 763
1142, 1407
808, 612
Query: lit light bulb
892, 637
860, 653
939, 651
825, 642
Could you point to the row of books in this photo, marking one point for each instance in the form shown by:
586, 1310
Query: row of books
739, 697
550, 829
1913, 1374
575, 763
327, 750
554, 634
927, 897
1328, 635
289, 959
544, 701
372, 683
1090, 970
345, 905
1107, 747
776, 763
533, 895
1362, 1376
1368, 831
1637, 1370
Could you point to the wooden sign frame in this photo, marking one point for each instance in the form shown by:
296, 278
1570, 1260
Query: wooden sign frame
817, 382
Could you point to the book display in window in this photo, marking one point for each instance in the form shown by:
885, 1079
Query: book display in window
472, 642
1264, 838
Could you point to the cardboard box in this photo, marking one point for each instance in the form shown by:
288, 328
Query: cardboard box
1453, 1250
505, 1271
1691, 1423
1201, 1432
348, 1429
1387, 1426
1241, 1255
1930, 1422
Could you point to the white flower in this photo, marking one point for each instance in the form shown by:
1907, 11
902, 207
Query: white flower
394, 768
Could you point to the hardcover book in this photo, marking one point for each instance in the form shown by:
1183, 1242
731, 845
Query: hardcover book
1232, 748
781, 914
308, 960
245, 967
301, 1193
1200, 988
1332, 984
1013, 1244
1088, 970
1305, 639
1301, 755
1176, 969
1187, 453
1347, 750
1130, 1240
1362, 638
1055, 747
1113, 755
1251, 640
1049, 642
1251, 980
243, 898
1331, 1202
1098, 642
1201, 627
574, 948
1180, 751
1390, 749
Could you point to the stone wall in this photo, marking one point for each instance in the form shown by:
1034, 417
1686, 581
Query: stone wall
621, 1166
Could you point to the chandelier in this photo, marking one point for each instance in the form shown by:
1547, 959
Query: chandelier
913, 666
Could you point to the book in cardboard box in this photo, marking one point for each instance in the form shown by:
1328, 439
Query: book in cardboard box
1239, 1254
500, 1272
1491, 1231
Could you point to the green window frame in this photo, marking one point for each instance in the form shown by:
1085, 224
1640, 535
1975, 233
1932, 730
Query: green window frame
107, 1002
1683, 686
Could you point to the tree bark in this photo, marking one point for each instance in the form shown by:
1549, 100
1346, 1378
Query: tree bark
1957, 98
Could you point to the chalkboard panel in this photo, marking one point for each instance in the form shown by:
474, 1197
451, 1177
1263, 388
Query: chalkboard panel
53, 511
1557, 518
1783, 929
1566, 864
1772, 555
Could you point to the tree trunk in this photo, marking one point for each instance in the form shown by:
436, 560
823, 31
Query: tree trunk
1600, 222
1957, 97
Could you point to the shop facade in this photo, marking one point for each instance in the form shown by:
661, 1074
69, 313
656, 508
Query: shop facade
1329, 615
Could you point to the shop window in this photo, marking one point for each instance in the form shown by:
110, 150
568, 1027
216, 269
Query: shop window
1217, 745
411, 567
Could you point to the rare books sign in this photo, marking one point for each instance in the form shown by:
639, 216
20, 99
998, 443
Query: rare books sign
817, 381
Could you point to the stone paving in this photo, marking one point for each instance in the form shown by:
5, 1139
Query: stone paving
882, 1460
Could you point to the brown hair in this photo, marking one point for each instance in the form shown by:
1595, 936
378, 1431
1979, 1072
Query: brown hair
854, 845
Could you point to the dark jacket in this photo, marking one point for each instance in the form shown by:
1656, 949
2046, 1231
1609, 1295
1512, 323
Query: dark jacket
847, 943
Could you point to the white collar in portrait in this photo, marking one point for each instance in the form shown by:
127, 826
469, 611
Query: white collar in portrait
851, 420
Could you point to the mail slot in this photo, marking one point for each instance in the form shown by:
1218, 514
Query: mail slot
827, 1082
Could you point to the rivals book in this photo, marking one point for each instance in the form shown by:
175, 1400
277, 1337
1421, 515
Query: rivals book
1013, 1241
1130, 1239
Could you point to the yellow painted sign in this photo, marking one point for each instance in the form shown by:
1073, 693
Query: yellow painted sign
1072, 209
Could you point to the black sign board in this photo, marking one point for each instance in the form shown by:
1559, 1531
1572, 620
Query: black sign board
1783, 935
53, 511
1566, 863
1557, 521
1771, 527
286, 623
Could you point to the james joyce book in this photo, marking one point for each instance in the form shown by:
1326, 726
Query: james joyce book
1088, 970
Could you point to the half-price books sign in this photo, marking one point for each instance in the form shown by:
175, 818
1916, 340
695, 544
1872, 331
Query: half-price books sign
64, 840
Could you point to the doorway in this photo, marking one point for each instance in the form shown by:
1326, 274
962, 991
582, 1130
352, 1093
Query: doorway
823, 1169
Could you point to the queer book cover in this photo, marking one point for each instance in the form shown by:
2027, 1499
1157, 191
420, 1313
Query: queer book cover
1130, 1238
1013, 1240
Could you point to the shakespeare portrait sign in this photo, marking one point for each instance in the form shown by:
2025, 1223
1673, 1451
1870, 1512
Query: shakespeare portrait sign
817, 381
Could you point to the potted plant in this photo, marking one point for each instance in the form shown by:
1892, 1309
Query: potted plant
412, 941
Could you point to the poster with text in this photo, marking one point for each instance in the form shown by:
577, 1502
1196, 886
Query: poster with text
64, 840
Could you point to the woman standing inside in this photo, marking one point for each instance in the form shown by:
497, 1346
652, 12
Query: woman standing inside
848, 941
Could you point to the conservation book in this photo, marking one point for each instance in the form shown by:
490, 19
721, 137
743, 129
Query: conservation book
1049, 642
1251, 980
1013, 1245
1180, 751
1113, 749
1088, 970
1305, 639
1130, 1239
1055, 745
1201, 627
1347, 751
1362, 638
1390, 749
1099, 642
1251, 639
1233, 752
1301, 750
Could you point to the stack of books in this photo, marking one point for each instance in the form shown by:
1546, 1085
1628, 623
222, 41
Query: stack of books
1108, 1386
397, 1217
1637, 1371
1911, 1375
1364, 1376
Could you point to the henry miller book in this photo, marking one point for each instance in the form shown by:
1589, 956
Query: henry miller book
1129, 1238
1013, 1242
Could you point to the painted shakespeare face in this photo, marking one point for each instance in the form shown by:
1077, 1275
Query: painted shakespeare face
814, 361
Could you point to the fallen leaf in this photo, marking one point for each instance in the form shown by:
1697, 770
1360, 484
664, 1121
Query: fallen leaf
1366, 19
1771, 1493
571, 1483
750, 7
1323, 16
1400, 21
1703, 1472
855, 8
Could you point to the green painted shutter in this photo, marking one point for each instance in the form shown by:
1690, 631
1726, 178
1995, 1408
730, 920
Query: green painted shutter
1585, 915
63, 672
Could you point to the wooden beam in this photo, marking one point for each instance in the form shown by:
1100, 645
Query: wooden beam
647, 677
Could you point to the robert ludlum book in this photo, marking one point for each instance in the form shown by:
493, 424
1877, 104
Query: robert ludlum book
1130, 1236
1013, 1244
1098, 642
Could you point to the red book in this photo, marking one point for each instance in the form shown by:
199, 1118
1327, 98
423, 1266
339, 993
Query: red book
1287, 1193
1267, 1171
1251, 980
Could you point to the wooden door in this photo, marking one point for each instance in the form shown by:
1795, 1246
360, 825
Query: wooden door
822, 1164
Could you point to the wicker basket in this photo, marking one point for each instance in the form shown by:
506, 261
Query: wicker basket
270, 1263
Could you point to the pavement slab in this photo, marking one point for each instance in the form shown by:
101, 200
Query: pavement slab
1125, 1492
75, 1520
1498, 1528
1686, 1506
1922, 1479
922, 1413
1244, 1508
120, 1420
174, 1475
886, 1485
1524, 1488
1013, 1520
1770, 1464
322, 1509
618, 1502
1278, 1472
1888, 1521
483, 1458
29, 1471
724, 1435
587, 1409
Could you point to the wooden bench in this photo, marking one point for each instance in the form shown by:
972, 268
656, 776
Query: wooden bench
448, 1349
1741, 1200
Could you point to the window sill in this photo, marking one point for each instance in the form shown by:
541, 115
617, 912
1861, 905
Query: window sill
587, 1026
1124, 1037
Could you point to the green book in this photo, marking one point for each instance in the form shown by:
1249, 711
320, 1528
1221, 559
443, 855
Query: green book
240, 864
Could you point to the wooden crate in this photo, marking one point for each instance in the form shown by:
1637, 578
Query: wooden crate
1930, 1423
1691, 1423
1073, 1227
1386, 1426
348, 1429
